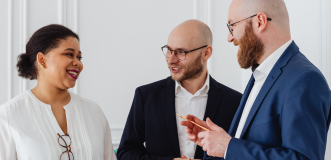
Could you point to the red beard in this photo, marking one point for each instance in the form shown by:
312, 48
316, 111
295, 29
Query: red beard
251, 48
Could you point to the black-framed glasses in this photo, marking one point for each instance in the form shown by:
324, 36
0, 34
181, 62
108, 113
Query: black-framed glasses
63, 142
179, 53
230, 25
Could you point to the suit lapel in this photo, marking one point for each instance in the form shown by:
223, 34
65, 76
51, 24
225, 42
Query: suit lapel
271, 79
237, 116
214, 98
168, 102
213, 101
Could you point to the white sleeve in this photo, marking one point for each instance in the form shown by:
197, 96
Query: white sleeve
7, 143
225, 152
109, 153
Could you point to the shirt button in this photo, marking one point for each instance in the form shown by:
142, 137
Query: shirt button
188, 142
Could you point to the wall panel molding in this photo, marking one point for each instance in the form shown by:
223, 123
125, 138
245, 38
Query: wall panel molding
9, 54
116, 134
75, 29
62, 12
326, 40
209, 22
23, 35
195, 9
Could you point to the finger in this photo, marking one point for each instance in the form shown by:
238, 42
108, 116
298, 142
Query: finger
204, 148
212, 125
200, 122
187, 124
190, 117
196, 120
183, 156
188, 130
202, 135
203, 142
191, 137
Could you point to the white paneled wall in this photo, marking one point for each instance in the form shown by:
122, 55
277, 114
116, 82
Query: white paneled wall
121, 44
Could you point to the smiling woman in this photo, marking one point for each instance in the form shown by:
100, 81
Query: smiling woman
50, 122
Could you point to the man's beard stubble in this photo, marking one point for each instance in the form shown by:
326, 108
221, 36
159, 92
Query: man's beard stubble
251, 48
192, 71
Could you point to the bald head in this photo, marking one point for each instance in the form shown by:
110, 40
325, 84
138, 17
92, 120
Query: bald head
274, 9
191, 33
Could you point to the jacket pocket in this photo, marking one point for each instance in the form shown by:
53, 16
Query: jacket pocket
267, 120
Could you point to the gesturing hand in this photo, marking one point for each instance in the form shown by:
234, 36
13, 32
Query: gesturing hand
216, 141
193, 130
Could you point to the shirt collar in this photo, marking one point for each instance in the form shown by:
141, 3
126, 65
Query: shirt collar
265, 67
203, 89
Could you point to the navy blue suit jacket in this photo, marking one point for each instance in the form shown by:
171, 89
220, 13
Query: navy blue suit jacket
152, 120
290, 117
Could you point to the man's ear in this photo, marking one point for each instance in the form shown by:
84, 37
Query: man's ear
41, 60
208, 52
261, 21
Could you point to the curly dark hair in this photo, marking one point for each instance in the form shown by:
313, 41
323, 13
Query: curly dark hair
43, 40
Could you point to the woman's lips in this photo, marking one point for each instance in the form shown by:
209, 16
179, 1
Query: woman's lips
73, 74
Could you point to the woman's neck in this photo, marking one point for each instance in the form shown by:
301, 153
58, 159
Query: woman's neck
51, 95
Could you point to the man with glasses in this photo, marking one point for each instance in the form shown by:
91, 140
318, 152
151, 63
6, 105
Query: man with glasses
190, 90
284, 113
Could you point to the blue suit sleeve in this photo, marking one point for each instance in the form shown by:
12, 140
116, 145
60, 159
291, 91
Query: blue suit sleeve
304, 123
133, 138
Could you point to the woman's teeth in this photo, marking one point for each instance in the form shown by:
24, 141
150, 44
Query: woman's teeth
73, 73
175, 69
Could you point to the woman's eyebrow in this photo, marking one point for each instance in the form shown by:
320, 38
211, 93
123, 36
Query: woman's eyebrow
71, 49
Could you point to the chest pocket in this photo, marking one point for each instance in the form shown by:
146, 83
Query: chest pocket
262, 121
265, 131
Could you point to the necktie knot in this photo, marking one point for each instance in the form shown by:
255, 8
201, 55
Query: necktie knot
254, 67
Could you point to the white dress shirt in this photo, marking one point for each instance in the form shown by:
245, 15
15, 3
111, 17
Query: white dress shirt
28, 130
260, 75
186, 103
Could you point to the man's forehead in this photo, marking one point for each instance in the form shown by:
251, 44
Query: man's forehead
234, 11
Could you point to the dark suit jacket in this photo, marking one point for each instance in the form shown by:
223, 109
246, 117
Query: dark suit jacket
290, 117
152, 120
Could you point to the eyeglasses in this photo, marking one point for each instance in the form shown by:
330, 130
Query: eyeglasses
179, 53
230, 25
62, 140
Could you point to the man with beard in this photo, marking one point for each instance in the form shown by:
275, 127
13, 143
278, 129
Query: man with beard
284, 112
190, 90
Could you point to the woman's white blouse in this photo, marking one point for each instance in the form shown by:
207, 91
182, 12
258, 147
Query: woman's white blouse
28, 130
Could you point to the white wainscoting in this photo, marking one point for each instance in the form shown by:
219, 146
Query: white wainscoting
121, 41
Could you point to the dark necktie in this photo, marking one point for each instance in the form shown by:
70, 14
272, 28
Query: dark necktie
254, 67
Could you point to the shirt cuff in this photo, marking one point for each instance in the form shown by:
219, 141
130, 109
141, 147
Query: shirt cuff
225, 152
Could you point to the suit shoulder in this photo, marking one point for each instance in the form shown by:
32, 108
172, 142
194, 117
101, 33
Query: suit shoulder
154, 86
299, 64
229, 91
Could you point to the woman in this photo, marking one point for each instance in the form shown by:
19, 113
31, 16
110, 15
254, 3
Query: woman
49, 122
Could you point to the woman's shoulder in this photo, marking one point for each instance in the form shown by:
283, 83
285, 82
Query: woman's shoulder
85, 102
17, 100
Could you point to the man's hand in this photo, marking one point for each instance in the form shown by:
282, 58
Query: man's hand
184, 158
194, 130
216, 141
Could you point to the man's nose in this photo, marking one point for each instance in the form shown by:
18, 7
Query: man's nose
173, 59
230, 37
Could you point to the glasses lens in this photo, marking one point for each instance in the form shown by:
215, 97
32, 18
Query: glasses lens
166, 52
180, 54
67, 155
229, 29
64, 141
